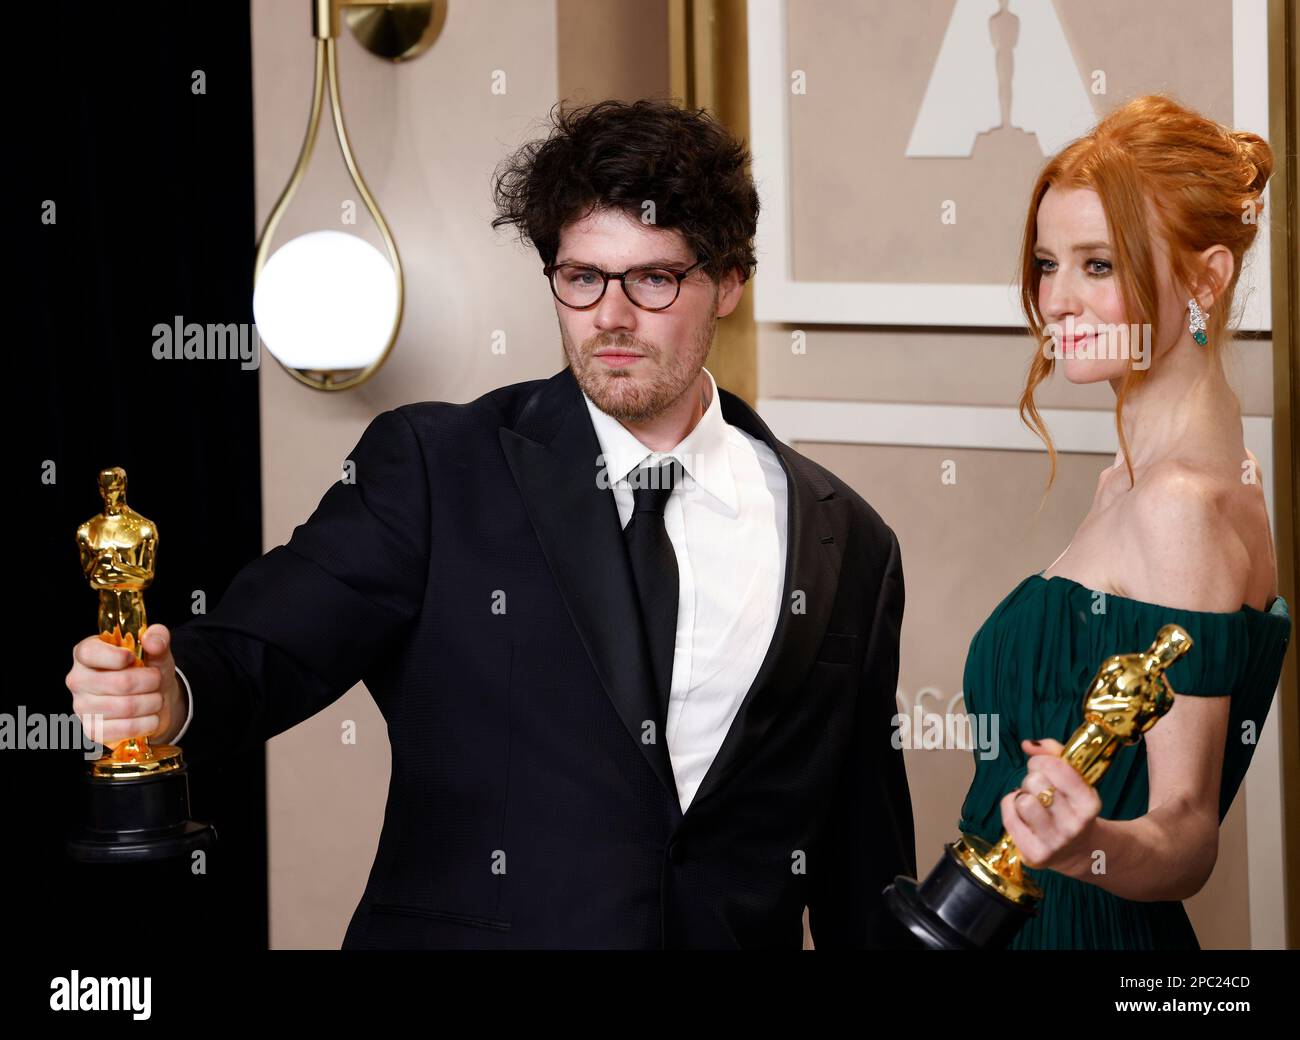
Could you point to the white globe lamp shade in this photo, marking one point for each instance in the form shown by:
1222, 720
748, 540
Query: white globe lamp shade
325, 301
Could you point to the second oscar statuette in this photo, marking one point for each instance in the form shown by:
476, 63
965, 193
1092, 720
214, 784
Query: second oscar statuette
978, 896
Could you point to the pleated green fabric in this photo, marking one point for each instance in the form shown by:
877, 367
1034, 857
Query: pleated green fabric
1032, 661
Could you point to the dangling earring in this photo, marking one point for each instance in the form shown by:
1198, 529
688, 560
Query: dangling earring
1196, 322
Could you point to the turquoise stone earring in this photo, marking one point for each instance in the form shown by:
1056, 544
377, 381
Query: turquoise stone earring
1196, 322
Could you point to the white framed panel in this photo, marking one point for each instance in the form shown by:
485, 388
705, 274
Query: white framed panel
779, 297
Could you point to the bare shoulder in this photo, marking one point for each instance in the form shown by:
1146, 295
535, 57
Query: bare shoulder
1187, 546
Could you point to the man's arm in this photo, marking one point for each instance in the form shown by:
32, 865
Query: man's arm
868, 838
299, 626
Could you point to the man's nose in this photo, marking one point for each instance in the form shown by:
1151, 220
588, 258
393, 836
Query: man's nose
615, 310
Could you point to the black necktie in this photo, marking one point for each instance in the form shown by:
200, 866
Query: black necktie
654, 566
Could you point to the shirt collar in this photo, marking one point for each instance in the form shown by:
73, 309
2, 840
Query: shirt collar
703, 452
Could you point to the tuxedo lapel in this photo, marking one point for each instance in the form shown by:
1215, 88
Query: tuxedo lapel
552, 452
816, 532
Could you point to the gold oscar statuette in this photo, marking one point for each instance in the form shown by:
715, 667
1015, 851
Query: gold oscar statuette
118, 550
978, 896
137, 796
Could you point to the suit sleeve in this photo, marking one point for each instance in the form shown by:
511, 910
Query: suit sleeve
301, 625
868, 838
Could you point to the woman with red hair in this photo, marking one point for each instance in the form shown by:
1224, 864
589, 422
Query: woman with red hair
1133, 247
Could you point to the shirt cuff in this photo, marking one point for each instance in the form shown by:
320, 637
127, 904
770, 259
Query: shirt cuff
189, 698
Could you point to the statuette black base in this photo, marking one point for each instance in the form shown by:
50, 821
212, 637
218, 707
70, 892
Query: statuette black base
952, 910
130, 820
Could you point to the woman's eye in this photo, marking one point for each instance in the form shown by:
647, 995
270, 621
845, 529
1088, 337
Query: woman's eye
1098, 267
1044, 265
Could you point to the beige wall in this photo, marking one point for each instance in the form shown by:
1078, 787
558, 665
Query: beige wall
615, 49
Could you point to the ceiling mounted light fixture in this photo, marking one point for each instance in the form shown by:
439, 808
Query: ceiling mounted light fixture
328, 304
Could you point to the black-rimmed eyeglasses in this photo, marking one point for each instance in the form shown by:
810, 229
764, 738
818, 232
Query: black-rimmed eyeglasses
649, 287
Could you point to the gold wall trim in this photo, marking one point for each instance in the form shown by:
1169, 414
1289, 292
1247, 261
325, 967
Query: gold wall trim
708, 47
1284, 136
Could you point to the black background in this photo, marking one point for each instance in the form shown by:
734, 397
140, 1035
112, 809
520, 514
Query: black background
153, 185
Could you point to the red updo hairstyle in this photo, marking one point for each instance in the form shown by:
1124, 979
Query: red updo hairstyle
1163, 170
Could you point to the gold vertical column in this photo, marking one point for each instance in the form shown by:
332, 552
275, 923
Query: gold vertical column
709, 68
1284, 224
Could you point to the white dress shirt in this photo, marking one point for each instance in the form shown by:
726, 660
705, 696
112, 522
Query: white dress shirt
727, 525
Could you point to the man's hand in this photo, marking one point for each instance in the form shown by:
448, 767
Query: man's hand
132, 698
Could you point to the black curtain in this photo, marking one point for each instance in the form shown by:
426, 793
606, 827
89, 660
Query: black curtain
134, 129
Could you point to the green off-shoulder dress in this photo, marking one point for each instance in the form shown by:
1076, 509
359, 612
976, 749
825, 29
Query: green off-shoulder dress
1032, 661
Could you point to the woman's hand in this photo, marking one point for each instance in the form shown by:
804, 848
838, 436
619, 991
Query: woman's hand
1060, 835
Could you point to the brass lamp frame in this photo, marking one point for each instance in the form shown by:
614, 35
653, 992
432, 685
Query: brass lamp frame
397, 30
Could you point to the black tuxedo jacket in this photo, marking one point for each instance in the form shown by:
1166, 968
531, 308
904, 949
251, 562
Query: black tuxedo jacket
474, 575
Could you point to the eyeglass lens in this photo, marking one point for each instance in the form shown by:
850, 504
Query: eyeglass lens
581, 286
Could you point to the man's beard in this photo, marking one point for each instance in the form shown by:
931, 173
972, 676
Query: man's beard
624, 393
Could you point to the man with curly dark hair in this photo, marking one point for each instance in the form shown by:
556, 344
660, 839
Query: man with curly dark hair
637, 657
645, 183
